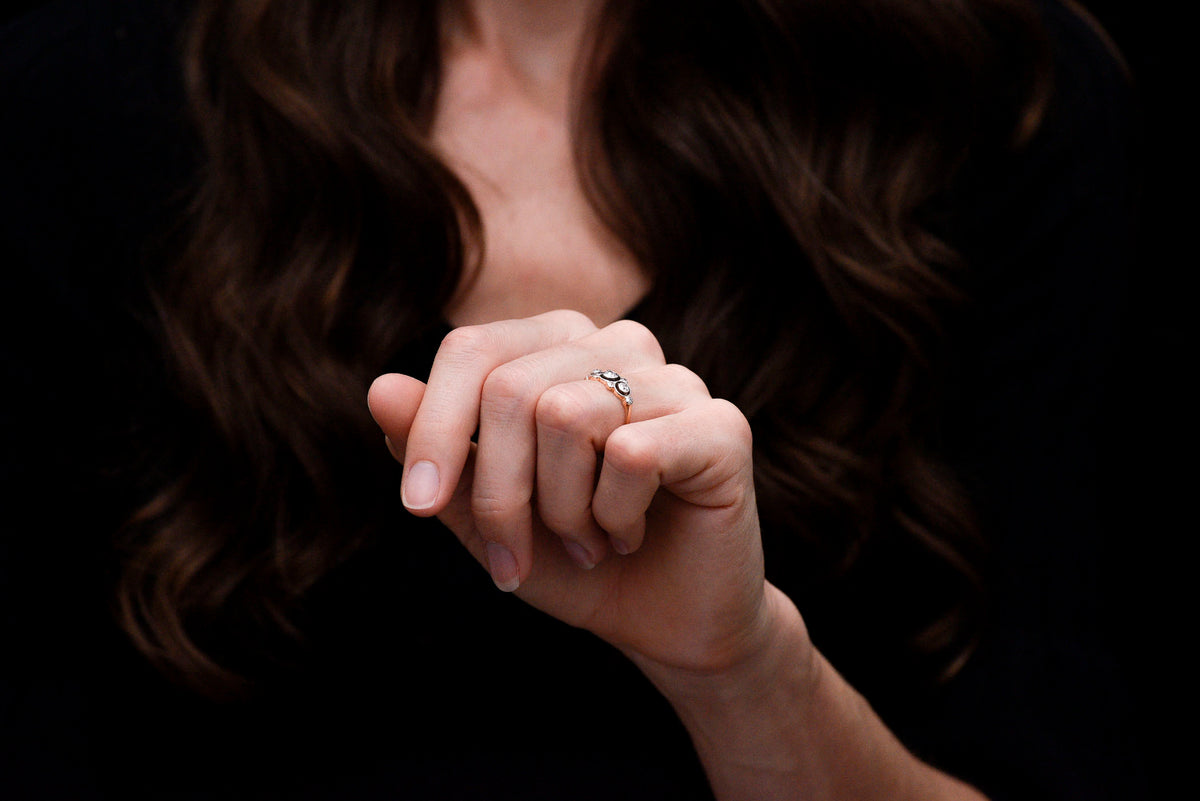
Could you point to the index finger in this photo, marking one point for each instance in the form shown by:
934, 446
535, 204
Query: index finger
440, 438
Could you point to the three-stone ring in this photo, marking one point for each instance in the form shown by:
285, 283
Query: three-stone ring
617, 385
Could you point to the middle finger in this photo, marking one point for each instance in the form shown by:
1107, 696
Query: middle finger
506, 459
574, 421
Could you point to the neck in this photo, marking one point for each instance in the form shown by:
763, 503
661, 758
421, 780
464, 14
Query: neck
536, 42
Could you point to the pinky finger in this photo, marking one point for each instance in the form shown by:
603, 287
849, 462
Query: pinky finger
702, 455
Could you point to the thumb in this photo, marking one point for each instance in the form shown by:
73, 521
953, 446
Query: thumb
393, 400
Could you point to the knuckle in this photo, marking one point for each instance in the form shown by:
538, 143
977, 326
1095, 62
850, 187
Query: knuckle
685, 379
507, 385
574, 321
734, 424
560, 408
494, 508
468, 342
631, 452
639, 336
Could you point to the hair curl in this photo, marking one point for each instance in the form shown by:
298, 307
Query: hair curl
736, 148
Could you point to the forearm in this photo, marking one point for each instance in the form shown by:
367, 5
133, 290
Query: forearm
785, 725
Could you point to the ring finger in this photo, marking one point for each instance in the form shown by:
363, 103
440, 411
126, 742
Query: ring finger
574, 420
506, 460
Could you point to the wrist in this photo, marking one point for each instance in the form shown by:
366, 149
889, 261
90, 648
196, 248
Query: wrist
777, 647
750, 719
780, 722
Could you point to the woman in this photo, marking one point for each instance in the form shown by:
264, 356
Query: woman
706, 330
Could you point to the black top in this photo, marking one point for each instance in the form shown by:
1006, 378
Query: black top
419, 679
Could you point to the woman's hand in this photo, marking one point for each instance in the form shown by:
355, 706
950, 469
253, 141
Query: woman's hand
645, 533
558, 482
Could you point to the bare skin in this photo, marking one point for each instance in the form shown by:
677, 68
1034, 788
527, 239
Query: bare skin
658, 551
502, 123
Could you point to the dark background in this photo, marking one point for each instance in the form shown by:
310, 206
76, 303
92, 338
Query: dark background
1151, 612
1153, 430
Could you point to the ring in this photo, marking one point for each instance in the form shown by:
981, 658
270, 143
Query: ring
617, 385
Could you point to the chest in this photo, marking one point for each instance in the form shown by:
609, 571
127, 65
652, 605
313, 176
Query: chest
543, 245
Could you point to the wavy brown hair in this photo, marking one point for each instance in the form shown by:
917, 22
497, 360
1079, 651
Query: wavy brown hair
775, 166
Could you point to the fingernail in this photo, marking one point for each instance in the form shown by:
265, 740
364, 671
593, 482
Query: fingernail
399, 457
503, 567
620, 547
579, 555
420, 487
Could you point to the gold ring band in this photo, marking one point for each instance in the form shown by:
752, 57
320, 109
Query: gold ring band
617, 386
